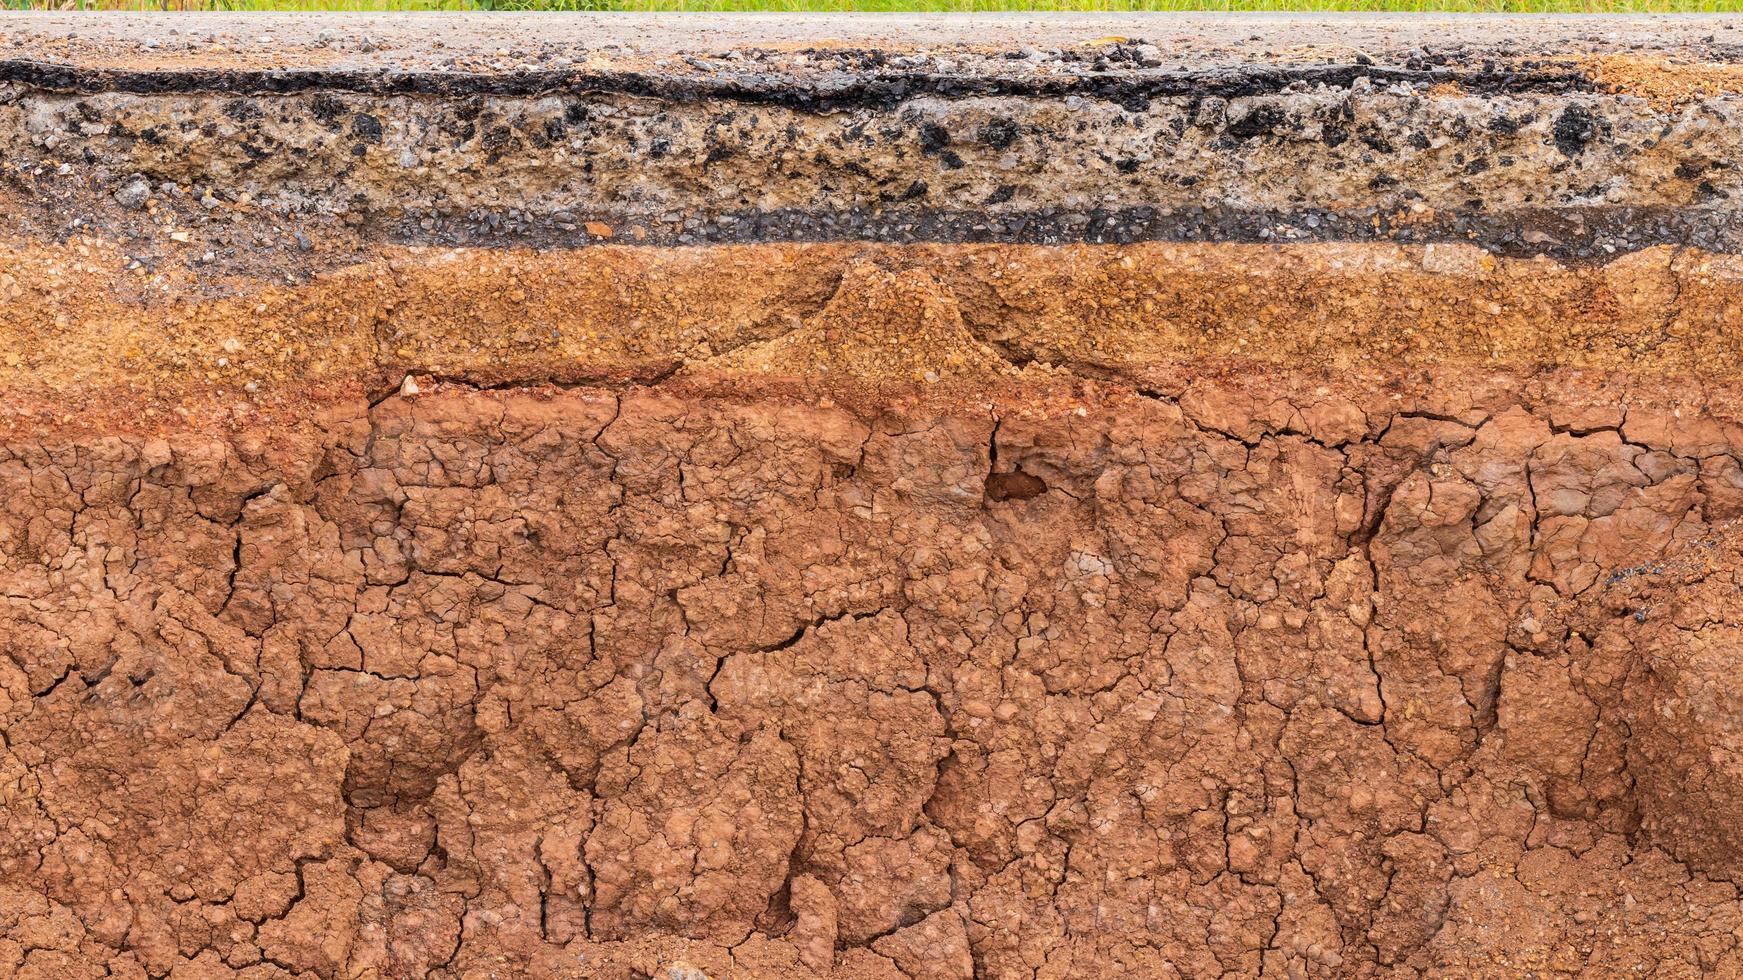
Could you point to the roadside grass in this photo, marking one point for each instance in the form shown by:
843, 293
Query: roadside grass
906, 6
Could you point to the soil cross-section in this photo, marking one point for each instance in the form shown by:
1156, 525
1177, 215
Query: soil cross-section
837, 498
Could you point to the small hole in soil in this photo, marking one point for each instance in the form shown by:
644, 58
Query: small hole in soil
1015, 485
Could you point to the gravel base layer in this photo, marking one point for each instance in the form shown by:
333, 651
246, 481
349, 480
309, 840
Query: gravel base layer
1579, 143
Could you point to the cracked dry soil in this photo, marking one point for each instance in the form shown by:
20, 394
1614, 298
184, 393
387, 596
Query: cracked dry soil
396, 582
595, 682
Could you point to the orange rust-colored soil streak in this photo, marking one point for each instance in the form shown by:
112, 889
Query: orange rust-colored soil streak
1662, 81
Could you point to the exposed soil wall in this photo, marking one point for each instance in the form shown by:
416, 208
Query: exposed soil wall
500, 598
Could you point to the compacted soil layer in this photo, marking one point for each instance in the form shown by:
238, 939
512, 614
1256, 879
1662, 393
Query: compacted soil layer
421, 573
1431, 679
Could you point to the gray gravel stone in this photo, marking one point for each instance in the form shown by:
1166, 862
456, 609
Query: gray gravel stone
134, 194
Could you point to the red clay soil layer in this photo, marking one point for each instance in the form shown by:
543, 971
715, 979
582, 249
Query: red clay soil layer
1434, 679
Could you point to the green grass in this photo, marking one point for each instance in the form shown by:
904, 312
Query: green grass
949, 6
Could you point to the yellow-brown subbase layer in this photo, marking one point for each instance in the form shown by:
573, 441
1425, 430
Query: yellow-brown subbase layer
86, 342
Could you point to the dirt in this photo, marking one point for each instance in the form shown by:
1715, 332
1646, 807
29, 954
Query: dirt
156, 350
873, 605
589, 682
